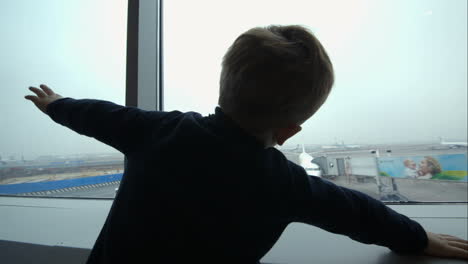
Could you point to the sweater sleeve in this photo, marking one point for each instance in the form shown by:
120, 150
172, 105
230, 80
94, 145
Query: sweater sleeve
124, 128
352, 213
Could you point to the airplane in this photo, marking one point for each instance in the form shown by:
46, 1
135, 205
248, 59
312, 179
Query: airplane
305, 160
453, 144
341, 145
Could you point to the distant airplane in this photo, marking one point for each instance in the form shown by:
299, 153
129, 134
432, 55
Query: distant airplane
341, 146
453, 144
305, 160
331, 146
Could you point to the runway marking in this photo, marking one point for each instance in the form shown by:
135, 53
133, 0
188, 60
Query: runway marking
69, 189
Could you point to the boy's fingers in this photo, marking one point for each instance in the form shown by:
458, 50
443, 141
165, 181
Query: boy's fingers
32, 98
458, 252
38, 91
458, 245
453, 238
46, 89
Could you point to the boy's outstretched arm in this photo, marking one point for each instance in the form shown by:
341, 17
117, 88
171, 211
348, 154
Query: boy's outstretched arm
352, 213
124, 128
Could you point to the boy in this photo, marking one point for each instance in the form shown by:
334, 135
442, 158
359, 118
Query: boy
410, 169
236, 193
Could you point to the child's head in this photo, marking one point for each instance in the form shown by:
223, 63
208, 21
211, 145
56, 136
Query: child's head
430, 165
274, 78
410, 164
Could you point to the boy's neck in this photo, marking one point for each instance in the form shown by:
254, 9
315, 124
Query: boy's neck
266, 138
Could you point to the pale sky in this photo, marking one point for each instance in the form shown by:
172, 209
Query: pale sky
401, 66
78, 48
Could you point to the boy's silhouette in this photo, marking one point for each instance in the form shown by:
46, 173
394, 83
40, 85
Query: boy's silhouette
231, 199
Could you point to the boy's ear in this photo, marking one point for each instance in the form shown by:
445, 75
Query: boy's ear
284, 133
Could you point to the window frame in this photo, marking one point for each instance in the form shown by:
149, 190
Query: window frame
144, 86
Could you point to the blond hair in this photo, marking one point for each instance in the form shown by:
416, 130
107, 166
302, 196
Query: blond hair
407, 162
434, 165
274, 76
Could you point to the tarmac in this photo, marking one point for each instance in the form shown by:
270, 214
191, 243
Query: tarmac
417, 190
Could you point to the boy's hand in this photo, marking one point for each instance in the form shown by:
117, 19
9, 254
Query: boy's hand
447, 246
43, 98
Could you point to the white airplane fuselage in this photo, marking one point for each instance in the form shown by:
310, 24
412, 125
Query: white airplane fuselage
453, 143
312, 169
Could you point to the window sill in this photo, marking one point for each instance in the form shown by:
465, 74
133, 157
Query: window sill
53, 222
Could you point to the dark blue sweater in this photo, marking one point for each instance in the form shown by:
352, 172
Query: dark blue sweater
203, 190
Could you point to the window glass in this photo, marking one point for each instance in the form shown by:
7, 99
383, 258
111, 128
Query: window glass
77, 48
394, 125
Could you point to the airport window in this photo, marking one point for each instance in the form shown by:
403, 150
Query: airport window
77, 48
394, 125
